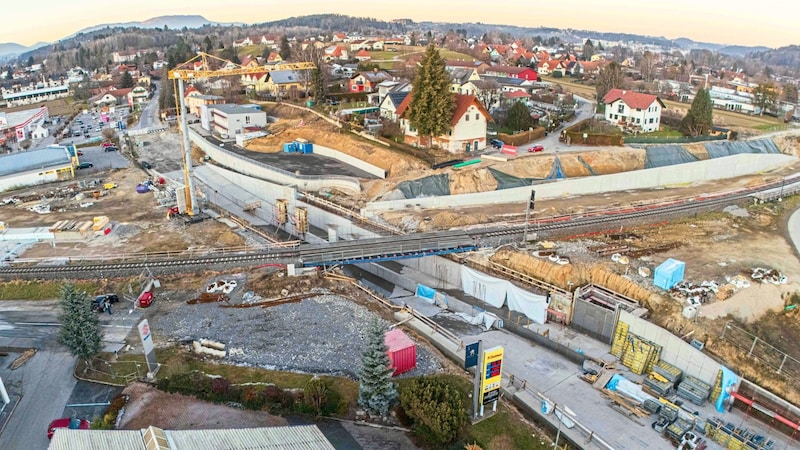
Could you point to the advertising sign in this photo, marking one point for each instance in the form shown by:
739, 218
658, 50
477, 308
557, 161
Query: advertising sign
491, 374
147, 338
471, 355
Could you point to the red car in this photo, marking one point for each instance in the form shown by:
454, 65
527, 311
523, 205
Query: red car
108, 144
66, 422
146, 299
80, 153
536, 149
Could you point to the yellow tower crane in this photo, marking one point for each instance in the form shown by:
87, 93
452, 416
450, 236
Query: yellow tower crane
205, 66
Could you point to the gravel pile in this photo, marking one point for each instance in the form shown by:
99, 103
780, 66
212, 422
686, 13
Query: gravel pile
323, 334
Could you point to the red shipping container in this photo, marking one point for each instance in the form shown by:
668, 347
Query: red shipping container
402, 351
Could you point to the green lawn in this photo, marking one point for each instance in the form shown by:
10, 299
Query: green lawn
42, 290
771, 127
665, 131
505, 430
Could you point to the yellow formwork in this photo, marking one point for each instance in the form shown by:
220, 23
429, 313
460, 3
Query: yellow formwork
717, 387
620, 334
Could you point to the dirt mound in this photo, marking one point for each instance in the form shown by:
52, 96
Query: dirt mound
698, 150
570, 274
789, 145
468, 182
295, 124
602, 162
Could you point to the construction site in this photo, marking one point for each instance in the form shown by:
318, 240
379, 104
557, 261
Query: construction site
567, 279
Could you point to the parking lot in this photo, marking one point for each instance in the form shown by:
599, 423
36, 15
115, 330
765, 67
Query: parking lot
101, 160
90, 126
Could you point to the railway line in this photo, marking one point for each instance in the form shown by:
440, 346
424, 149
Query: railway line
393, 246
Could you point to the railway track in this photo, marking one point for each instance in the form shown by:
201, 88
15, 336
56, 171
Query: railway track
394, 246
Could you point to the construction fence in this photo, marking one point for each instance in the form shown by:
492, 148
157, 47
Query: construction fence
763, 352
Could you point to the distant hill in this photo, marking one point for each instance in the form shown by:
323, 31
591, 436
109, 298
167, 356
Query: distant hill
12, 49
176, 22
785, 56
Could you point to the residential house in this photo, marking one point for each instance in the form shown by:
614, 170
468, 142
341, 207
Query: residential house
460, 77
137, 96
467, 131
123, 57
158, 65
390, 103
363, 55
284, 82
111, 97
479, 66
195, 99
552, 66
360, 44
635, 110
387, 87
378, 44
229, 120
242, 42
338, 37
255, 82
510, 84
249, 61
274, 58
367, 81
336, 53
526, 73
731, 100
511, 97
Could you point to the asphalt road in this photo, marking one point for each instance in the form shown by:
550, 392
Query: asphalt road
45, 383
149, 117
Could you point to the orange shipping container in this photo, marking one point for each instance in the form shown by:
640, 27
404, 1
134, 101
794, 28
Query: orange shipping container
402, 351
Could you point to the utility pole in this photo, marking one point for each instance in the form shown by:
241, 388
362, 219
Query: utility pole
528, 217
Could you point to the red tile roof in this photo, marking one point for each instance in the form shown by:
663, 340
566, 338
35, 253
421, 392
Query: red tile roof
463, 102
517, 94
362, 52
632, 99
189, 90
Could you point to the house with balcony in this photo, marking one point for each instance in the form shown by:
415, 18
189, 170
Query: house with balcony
633, 110
467, 132
367, 81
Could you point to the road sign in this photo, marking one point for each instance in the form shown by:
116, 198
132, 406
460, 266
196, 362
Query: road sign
471, 355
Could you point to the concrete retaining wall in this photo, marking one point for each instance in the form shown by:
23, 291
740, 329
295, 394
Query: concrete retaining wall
350, 160
674, 350
262, 171
714, 169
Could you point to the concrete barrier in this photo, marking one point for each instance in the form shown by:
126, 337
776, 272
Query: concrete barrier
712, 169
350, 160
263, 171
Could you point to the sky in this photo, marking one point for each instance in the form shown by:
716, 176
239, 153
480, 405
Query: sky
736, 22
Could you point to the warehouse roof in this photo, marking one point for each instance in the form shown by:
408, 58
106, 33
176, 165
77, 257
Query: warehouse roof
35, 159
304, 437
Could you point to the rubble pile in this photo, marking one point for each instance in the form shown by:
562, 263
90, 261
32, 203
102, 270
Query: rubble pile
770, 276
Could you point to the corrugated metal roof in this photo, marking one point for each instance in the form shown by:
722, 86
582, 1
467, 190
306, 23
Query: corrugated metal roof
304, 437
32, 160
235, 109
66, 439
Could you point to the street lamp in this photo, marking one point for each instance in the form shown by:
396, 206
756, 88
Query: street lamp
564, 413
528, 217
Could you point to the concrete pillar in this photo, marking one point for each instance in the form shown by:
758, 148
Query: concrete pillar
332, 237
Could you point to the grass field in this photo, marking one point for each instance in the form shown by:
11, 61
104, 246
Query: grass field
721, 117
42, 290
665, 131
58, 107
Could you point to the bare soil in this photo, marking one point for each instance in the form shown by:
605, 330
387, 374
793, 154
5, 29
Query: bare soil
149, 406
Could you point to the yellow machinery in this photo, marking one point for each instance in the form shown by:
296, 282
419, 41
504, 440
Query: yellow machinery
204, 66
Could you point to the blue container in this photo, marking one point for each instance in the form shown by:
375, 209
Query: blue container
669, 273
307, 147
289, 147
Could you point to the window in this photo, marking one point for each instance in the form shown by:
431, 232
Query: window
477, 116
466, 117
651, 120
246, 119
638, 120
616, 116
621, 108
639, 109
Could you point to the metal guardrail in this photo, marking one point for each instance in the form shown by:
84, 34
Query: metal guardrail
346, 212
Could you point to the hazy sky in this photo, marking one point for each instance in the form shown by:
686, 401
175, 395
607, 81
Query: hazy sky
772, 23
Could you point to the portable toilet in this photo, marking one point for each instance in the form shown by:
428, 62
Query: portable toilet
289, 147
669, 273
402, 351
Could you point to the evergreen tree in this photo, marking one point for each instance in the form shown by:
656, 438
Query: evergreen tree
699, 119
318, 83
588, 50
286, 49
376, 391
80, 329
435, 404
432, 104
519, 118
610, 77
790, 93
126, 80
208, 45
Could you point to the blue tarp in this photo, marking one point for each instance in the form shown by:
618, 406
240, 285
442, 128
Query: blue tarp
667, 155
557, 172
425, 292
729, 380
728, 148
669, 273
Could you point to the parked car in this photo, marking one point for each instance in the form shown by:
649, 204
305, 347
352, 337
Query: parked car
536, 149
84, 165
79, 153
145, 165
110, 148
67, 422
496, 143
113, 298
108, 144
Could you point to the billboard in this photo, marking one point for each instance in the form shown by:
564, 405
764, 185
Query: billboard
147, 346
491, 374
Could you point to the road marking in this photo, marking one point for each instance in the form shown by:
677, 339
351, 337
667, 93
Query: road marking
39, 324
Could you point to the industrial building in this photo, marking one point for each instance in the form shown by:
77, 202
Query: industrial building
20, 125
38, 94
20, 169
266, 438
229, 120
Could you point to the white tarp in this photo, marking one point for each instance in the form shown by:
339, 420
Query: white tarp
533, 306
483, 287
486, 319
